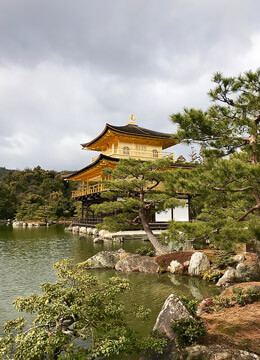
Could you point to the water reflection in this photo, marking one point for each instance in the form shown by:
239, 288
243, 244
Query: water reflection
27, 256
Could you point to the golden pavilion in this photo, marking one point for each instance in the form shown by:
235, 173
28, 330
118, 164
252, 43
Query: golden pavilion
115, 143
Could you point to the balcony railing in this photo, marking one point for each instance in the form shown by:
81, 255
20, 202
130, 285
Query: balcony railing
136, 153
88, 190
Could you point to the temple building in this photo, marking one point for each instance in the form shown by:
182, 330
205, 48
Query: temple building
121, 142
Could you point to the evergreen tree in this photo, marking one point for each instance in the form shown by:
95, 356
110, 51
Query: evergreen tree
76, 318
227, 185
35, 194
135, 189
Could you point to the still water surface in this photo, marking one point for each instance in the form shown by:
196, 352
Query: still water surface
27, 256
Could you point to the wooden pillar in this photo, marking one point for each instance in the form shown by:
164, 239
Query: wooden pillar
189, 209
87, 208
82, 209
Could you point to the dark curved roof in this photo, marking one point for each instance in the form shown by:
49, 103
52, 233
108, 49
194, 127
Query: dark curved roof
131, 129
98, 159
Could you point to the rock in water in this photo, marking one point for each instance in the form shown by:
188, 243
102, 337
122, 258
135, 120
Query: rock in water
199, 263
103, 260
175, 267
98, 240
139, 263
173, 309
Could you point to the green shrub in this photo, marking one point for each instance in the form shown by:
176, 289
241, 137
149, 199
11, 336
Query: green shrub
221, 302
245, 297
145, 251
191, 305
188, 331
223, 260
212, 276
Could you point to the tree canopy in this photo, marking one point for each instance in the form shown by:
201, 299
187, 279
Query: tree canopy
226, 187
135, 188
76, 318
35, 195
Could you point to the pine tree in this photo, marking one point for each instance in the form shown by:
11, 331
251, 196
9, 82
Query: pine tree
227, 185
135, 188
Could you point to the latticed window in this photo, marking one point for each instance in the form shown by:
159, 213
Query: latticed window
155, 153
126, 150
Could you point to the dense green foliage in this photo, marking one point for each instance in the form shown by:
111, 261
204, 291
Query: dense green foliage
134, 193
145, 251
188, 331
4, 171
35, 195
226, 186
77, 317
245, 296
191, 305
223, 260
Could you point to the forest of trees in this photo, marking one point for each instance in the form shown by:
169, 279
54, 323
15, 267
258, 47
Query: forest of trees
34, 195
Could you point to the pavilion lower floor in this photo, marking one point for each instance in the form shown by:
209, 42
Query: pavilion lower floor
158, 221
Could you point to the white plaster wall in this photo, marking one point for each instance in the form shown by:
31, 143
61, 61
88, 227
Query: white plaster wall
179, 214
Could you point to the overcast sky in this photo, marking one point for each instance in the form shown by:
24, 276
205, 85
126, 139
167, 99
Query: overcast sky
67, 67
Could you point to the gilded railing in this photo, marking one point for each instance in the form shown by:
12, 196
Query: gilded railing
126, 153
88, 190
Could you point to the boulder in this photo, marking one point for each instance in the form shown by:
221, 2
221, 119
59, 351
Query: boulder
247, 273
103, 233
199, 263
215, 352
175, 267
139, 263
83, 229
173, 309
95, 232
98, 240
102, 260
227, 278
239, 257
89, 231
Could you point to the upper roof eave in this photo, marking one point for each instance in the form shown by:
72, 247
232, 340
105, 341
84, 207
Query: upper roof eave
132, 130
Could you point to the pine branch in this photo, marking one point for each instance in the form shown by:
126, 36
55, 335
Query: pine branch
232, 190
252, 209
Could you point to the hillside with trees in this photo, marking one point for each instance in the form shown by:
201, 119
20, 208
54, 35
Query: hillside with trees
35, 195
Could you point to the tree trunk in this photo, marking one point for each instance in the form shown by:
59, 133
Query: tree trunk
160, 249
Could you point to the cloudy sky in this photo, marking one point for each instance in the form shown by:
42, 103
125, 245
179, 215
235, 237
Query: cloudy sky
67, 67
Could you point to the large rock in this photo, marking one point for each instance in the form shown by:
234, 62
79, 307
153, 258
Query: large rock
103, 260
175, 267
199, 263
247, 273
239, 257
227, 278
215, 352
173, 309
139, 263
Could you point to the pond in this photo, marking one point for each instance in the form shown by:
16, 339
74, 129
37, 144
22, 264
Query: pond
27, 256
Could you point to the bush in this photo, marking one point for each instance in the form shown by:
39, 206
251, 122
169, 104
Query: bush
212, 276
188, 331
221, 302
223, 260
145, 251
191, 305
245, 297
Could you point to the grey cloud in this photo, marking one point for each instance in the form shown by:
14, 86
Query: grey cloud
121, 36
68, 67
